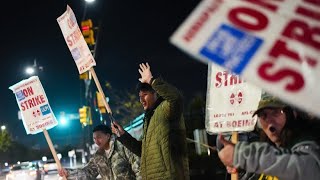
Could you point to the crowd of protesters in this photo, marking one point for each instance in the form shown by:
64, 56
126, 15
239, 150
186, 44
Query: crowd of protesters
288, 147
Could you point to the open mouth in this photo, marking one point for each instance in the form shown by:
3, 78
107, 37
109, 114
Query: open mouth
272, 129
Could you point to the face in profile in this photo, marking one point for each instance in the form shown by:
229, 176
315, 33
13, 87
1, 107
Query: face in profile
147, 99
272, 121
101, 139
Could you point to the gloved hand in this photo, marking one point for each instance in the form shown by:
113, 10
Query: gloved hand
145, 73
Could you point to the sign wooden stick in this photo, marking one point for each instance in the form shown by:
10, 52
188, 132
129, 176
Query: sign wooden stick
53, 151
96, 80
234, 139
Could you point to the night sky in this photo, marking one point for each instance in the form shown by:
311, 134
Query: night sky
131, 32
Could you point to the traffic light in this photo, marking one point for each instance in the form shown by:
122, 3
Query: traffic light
100, 103
85, 115
87, 31
85, 76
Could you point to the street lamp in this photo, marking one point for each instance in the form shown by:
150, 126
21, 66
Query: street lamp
34, 68
3, 127
30, 70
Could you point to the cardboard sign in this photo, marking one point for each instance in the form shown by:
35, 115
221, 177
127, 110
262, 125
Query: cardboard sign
77, 45
231, 102
273, 44
34, 105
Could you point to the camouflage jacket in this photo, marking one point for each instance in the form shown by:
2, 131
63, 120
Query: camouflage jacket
119, 164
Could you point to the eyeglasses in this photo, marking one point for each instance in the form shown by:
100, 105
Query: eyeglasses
276, 112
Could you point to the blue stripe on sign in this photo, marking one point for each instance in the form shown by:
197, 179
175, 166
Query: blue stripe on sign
20, 96
231, 48
45, 109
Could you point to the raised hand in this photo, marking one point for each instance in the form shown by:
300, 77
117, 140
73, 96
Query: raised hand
145, 73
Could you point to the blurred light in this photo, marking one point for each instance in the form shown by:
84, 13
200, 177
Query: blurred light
18, 162
3, 127
59, 156
63, 120
6, 164
71, 153
30, 70
85, 28
89, 1
44, 158
19, 115
32, 173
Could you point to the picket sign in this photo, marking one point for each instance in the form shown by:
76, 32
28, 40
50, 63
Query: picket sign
80, 50
230, 104
37, 115
273, 44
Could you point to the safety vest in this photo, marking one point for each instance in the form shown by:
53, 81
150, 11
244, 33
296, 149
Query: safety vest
266, 177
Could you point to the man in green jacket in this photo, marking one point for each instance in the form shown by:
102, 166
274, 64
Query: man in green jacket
163, 148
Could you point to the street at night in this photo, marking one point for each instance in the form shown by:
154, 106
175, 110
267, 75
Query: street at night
171, 89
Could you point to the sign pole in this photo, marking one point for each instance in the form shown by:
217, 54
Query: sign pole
96, 80
53, 151
234, 139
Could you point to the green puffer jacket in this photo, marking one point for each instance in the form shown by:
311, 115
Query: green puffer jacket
164, 148
120, 164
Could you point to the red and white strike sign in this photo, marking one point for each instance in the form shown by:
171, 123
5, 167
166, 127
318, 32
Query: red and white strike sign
274, 44
231, 101
34, 105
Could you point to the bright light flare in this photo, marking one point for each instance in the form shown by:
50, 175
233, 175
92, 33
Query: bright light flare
63, 120
30, 70
44, 158
89, 1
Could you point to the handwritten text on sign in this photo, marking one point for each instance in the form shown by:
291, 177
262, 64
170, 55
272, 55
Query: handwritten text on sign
231, 102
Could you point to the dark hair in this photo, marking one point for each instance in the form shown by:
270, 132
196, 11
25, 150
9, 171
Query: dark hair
103, 128
296, 126
144, 87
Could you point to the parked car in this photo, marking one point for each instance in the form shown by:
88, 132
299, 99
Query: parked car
25, 171
50, 166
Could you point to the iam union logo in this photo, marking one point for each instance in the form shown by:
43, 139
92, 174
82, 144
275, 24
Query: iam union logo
236, 98
36, 113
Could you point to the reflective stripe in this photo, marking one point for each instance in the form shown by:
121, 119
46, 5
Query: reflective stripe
266, 177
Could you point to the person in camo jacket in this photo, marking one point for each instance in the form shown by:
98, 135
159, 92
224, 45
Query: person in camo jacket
112, 161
